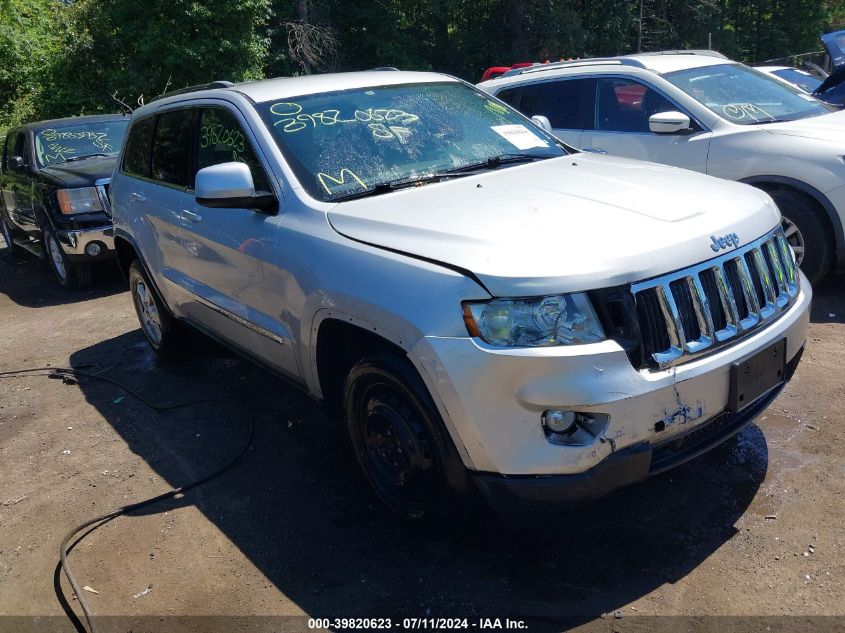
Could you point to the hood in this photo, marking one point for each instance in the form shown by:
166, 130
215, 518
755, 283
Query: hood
827, 127
574, 223
81, 173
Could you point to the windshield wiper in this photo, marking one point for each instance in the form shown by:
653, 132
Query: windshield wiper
497, 161
395, 185
73, 158
767, 122
456, 172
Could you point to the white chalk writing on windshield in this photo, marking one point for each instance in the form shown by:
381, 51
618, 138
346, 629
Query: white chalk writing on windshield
385, 123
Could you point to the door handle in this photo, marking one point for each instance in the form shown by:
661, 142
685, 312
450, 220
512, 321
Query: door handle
595, 150
137, 197
191, 216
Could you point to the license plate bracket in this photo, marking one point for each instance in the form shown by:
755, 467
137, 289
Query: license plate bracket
757, 374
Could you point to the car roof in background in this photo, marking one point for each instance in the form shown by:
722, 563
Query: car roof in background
659, 62
73, 120
669, 61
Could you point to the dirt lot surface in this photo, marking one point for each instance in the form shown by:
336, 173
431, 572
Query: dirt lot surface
753, 528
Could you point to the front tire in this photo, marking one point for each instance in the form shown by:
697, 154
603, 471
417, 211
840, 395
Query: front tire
8, 237
807, 233
157, 324
397, 435
68, 274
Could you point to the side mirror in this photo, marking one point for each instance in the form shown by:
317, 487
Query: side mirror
669, 123
16, 163
543, 122
230, 186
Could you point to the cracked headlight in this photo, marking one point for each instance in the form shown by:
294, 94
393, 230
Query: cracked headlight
534, 322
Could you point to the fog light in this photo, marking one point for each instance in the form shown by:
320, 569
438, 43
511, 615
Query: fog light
572, 428
559, 421
93, 249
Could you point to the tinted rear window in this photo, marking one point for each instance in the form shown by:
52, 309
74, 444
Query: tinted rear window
172, 147
565, 103
136, 159
509, 96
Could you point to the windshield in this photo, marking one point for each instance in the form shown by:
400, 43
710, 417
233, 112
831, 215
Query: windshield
344, 143
746, 96
67, 142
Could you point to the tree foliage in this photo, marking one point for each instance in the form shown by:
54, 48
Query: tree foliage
66, 57
30, 36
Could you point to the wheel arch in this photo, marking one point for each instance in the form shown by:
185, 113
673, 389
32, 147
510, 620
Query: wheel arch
127, 251
340, 341
773, 183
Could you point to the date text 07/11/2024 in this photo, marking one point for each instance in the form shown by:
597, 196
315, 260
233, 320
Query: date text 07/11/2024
427, 623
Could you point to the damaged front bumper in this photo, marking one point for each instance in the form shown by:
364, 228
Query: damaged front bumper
627, 466
492, 401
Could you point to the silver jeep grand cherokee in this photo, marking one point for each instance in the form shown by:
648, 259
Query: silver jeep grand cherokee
487, 306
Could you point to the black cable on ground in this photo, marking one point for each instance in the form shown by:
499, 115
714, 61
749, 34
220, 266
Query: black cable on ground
70, 375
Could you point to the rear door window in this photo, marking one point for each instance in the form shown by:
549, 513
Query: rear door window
172, 144
136, 158
222, 140
566, 103
509, 96
624, 105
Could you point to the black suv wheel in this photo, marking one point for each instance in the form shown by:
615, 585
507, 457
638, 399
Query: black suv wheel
68, 274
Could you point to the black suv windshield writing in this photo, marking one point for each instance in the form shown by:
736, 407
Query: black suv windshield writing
60, 144
369, 140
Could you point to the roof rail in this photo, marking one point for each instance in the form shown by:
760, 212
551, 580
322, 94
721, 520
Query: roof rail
692, 51
209, 86
384, 68
575, 63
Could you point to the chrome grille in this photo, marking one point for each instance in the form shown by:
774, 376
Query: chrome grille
103, 185
699, 309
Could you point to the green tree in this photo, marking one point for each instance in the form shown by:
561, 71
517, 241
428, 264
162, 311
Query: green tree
30, 34
141, 49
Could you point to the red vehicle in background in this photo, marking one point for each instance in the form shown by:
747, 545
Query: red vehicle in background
498, 71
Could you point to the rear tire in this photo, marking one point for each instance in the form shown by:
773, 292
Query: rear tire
69, 275
157, 324
807, 233
397, 435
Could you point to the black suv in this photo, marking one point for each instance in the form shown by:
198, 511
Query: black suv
54, 179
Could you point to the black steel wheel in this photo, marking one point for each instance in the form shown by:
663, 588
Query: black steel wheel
397, 436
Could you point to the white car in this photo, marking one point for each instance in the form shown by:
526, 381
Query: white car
793, 76
701, 111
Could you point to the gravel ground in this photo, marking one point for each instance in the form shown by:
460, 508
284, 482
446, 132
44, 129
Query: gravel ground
754, 528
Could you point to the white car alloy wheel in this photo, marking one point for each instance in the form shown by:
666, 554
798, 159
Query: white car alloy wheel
56, 257
794, 237
148, 312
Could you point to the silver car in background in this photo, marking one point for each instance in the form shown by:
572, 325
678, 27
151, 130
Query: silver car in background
487, 307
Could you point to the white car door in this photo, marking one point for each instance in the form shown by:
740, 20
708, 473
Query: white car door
622, 110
